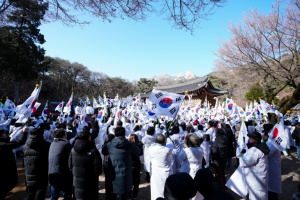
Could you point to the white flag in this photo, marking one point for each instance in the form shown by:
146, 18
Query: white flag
45, 111
21, 109
9, 105
35, 107
165, 103
59, 107
95, 103
68, 106
242, 139
278, 136
26, 107
265, 107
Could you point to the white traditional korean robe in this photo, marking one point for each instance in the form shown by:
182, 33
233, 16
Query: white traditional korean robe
255, 164
160, 161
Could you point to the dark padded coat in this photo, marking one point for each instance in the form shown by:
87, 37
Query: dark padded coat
206, 184
36, 152
86, 165
8, 166
60, 175
219, 149
120, 150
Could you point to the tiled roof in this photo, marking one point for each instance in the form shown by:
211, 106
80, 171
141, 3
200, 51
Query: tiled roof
296, 107
192, 86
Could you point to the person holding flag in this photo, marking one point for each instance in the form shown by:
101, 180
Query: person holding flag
255, 164
274, 169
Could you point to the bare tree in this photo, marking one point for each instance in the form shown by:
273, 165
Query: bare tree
269, 46
184, 14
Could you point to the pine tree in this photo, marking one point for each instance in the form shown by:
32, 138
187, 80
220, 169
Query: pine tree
20, 53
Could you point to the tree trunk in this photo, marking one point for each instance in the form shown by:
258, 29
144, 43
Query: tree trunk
17, 93
288, 102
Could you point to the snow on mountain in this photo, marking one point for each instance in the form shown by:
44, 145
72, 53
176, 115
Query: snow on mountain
164, 79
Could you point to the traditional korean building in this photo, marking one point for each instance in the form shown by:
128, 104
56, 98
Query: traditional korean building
199, 88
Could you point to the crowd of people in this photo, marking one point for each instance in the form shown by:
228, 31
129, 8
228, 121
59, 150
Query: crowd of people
182, 159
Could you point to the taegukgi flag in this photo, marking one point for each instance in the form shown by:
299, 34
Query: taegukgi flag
165, 103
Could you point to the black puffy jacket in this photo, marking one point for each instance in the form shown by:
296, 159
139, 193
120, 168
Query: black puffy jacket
8, 166
86, 165
59, 173
36, 152
219, 150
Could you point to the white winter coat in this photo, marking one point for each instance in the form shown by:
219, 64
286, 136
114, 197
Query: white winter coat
255, 163
274, 169
191, 160
148, 140
160, 160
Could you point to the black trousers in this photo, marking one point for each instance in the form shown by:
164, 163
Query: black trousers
33, 193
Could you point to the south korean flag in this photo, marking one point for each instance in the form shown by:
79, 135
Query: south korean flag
278, 136
165, 103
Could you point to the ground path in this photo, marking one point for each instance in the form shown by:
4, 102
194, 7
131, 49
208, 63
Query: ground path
290, 181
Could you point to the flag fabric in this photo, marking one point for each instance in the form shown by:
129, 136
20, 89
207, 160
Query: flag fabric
83, 116
101, 101
80, 101
242, 139
45, 111
265, 107
237, 182
9, 107
278, 136
95, 103
68, 105
59, 107
100, 116
88, 102
29, 102
35, 107
26, 108
2, 115
165, 103
229, 106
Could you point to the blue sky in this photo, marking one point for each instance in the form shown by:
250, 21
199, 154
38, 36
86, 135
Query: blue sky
132, 50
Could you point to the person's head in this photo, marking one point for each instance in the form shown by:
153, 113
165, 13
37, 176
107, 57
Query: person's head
120, 131
175, 129
219, 132
60, 133
205, 182
160, 139
151, 130
179, 186
297, 125
254, 137
84, 135
210, 123
133, 138
192, 140
119, 123
200, 127
109, 138
136, 128
59, 125
37, 131
183, 126
47, 126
